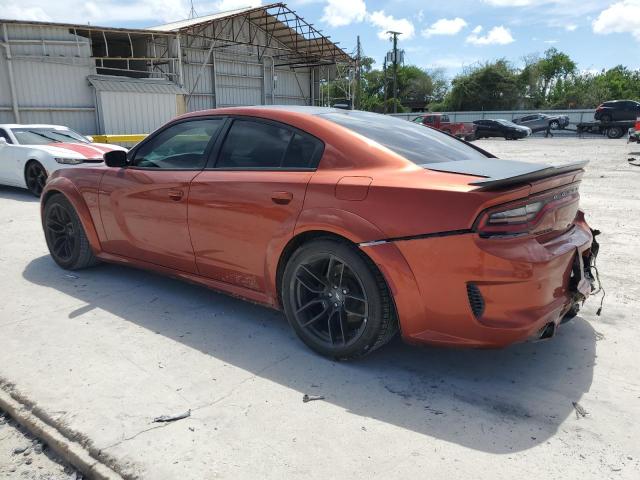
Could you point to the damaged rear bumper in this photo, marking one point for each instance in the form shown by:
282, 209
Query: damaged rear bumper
464, 290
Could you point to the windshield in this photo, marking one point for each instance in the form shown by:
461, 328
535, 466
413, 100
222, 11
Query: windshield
414, 142
44, 136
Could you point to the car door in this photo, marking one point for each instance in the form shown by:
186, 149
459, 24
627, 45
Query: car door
144, 205
248, 200
630, 111
10, 171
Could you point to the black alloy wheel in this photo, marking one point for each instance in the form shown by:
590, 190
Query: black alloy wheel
36, 177
336, 301
65, 236
62, 233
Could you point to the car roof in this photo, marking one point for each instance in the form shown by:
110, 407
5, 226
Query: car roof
32, 125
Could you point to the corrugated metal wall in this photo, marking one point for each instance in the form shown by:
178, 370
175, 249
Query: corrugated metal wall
237, 74
50, 67
126, 113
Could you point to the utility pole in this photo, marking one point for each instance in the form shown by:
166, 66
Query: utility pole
358, 76
384, 84
395, 69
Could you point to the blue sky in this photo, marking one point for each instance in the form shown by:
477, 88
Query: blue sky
437, 34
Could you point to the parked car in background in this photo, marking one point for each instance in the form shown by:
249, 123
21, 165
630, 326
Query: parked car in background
616, 110
298, 208
501, 128
442, 122
538, 122
30, 153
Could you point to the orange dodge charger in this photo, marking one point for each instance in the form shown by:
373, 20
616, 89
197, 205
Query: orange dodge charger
357, 225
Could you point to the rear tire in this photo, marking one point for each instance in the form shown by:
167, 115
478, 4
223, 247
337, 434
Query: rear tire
35, 177
66, 238
336, 300
554, 125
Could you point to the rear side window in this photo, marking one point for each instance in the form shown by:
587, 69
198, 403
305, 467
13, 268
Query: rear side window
417, 144
254, 144
444, 118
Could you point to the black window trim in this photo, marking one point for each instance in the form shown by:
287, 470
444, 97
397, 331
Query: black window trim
207, 152
214, 157
6, 135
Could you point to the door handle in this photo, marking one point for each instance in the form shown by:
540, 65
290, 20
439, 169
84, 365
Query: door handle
176, 195
281, 198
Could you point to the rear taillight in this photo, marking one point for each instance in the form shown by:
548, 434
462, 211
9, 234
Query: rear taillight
530, 216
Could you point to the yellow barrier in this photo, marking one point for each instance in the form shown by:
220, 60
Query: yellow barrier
118, 138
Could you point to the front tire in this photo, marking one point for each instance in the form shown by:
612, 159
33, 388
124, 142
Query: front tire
554, 125
35, 177
66, 238
336, 300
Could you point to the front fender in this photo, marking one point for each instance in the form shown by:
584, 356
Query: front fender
68, 189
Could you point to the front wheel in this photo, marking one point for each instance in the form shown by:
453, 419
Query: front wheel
336, 300
554, 125
66, 238
615, 132
35, 177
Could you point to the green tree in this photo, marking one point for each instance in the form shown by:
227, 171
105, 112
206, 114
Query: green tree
489, 86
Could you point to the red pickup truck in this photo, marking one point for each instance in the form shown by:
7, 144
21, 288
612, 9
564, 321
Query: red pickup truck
440, 121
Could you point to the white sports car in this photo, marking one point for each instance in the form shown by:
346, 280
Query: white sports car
30, 153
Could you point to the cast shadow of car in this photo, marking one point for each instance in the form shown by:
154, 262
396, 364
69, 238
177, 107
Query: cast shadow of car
496, 401
17, 193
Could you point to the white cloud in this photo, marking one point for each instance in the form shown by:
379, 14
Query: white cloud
496, 36
387, 22
571, 27
339, 13
445, 26
518, 3
551, 42
36, 14
621, 17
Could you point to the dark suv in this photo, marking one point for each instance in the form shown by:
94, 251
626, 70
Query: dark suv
617, 110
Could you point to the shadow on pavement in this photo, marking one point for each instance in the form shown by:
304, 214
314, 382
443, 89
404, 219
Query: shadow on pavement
15, 193
496, 401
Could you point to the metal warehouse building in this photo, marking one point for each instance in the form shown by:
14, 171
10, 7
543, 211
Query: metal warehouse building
129, 81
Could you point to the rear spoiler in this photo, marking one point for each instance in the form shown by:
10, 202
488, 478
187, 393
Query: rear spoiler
497, 173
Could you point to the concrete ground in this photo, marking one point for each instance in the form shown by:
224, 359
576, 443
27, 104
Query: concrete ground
99, 353
23, 456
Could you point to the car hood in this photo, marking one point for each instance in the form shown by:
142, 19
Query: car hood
77, 150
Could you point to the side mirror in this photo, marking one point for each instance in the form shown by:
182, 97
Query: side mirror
3, 141
116, 158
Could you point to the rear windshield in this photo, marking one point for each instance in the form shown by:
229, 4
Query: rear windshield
414, 142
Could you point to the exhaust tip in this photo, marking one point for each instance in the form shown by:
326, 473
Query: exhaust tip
547, 331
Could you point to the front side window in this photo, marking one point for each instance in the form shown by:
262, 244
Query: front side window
252, 144
419, 145
179, 147
46, 136
444, 118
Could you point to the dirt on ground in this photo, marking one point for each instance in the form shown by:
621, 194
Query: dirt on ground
24, 457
